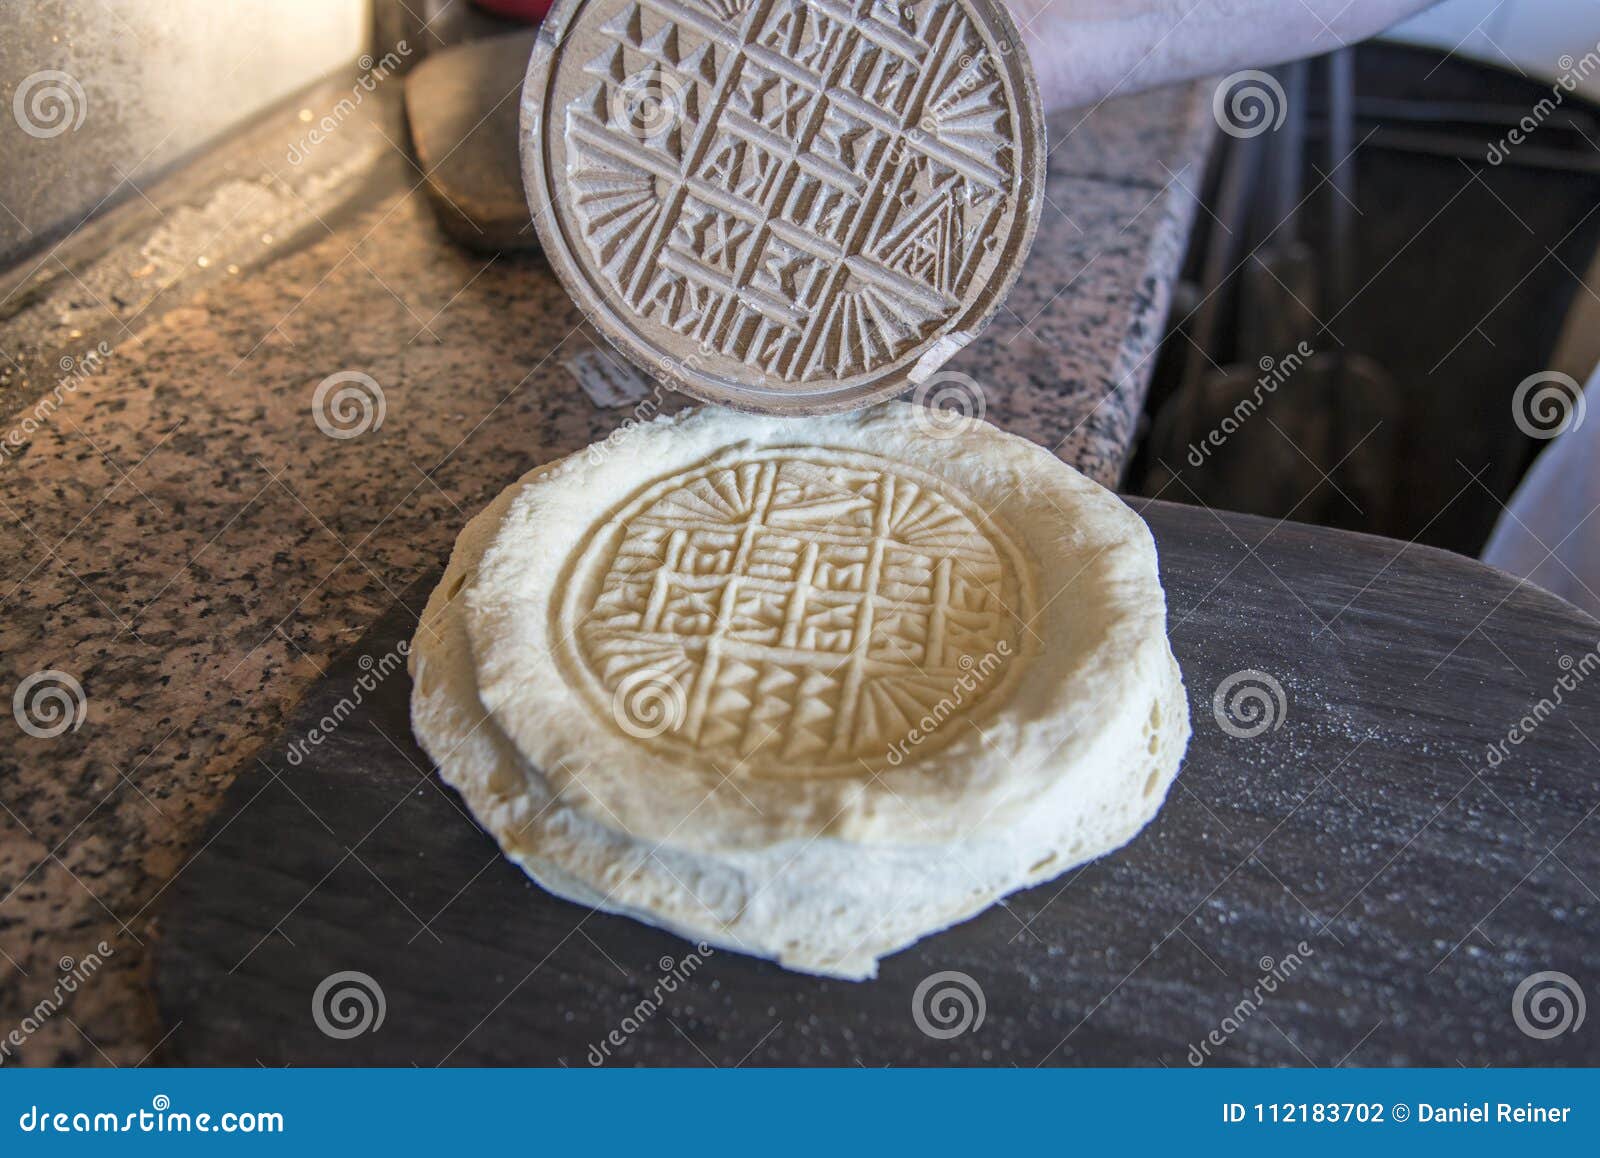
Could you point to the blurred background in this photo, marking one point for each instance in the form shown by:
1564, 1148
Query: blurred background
1433, 274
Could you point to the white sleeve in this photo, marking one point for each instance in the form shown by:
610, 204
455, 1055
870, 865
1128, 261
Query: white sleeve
1549, 534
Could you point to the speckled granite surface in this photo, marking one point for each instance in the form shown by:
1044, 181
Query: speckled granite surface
182, 540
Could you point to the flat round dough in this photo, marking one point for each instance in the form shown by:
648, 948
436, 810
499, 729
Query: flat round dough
977, 626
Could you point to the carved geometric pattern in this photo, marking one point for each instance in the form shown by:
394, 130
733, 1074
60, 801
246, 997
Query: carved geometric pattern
813, 187
808, 607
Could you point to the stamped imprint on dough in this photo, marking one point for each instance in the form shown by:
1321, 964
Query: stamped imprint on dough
796, 612
812, 190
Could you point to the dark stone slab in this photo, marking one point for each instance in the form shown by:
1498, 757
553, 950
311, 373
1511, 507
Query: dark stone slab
461, 106
1414, 881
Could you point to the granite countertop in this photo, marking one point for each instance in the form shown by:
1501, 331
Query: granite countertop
185, 544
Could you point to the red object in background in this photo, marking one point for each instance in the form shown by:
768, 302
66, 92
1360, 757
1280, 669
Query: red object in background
527, 11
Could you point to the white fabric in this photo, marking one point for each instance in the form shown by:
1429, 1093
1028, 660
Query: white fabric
1549, 534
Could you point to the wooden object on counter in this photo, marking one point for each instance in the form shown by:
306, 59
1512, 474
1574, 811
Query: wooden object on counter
461, 106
